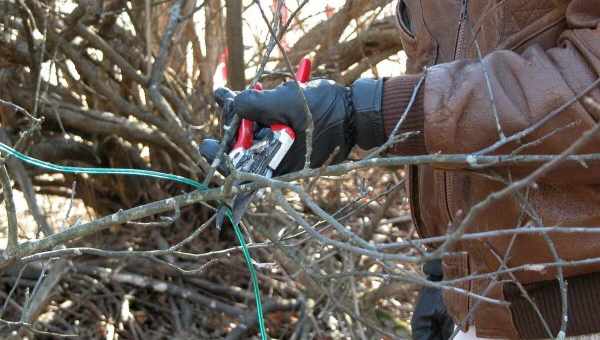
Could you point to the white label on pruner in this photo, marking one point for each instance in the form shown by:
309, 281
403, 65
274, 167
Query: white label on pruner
286, 143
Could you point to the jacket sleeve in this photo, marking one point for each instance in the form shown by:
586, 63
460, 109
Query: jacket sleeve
454, 111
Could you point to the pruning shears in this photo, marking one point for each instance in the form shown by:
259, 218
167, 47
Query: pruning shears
261, 156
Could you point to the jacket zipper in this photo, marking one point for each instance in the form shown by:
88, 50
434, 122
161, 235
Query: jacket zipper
445, 178
460, 39
414, 184
459, 52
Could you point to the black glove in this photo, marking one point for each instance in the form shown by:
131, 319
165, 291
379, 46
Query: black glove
430, 320
342, 117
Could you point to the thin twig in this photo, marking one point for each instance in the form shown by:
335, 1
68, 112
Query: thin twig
562, 284
518, 185
522, 134
500, 232
392, 138
31, 328
310, 125
488, 83
13, 229
12, 290
20, 109
545, 137
26, 187
148, 33
173, 250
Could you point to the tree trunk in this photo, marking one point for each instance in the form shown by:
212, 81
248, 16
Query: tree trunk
235, 45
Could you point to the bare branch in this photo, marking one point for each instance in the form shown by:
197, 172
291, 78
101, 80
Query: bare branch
13, 229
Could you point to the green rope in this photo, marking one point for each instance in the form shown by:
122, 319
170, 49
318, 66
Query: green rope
155, 174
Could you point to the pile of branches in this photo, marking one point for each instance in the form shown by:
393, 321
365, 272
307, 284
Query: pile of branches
110, 84
200, 287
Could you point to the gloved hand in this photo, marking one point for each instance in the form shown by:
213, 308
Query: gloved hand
341, 117
430, 319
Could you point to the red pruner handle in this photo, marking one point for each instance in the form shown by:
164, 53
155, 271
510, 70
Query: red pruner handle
304, 71
245, 133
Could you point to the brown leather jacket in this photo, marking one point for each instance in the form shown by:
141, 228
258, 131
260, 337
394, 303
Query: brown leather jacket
538, 54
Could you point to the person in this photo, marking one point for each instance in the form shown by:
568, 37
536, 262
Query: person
478, 72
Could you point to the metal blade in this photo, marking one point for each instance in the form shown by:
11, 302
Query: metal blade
220, 218
240, 205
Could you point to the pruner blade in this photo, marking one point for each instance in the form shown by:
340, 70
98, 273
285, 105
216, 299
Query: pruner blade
240, 205
221, 212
